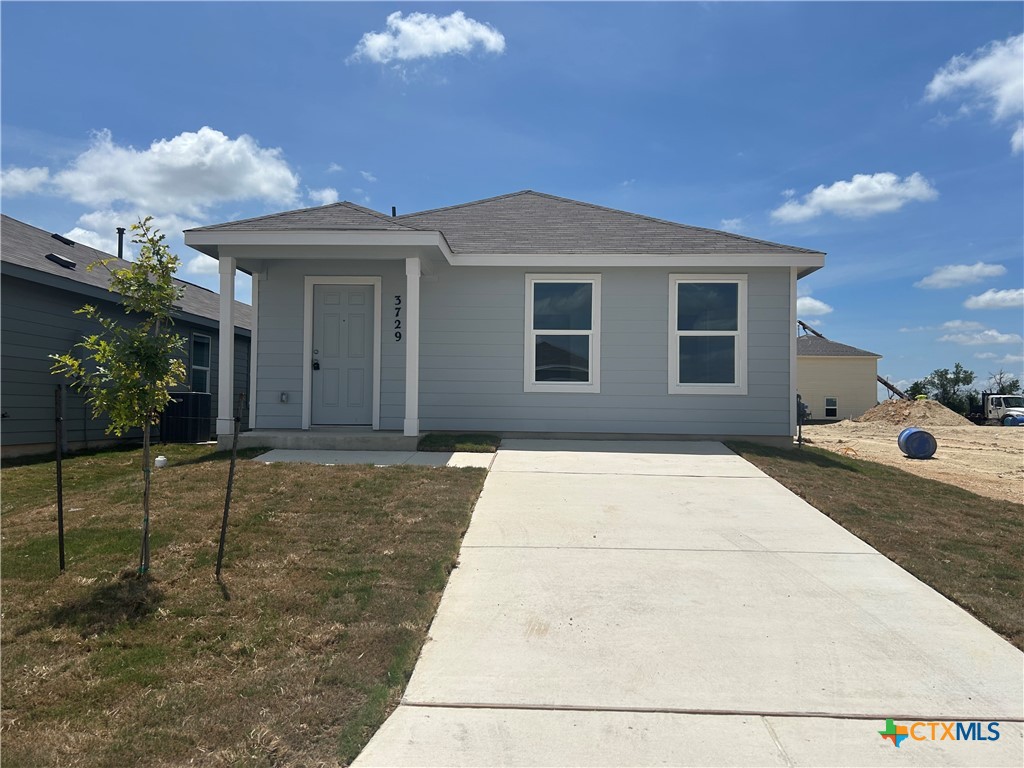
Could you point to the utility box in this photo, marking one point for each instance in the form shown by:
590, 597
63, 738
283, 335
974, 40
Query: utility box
187, 418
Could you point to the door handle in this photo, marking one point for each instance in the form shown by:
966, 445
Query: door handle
316, 364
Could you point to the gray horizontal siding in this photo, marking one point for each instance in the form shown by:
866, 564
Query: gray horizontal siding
471, 355
39, 320
471, 359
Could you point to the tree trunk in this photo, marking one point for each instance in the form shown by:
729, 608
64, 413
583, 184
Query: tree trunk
146, 473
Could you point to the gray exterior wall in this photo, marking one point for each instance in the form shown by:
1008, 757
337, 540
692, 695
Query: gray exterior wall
471, 354
280, 344
38, 320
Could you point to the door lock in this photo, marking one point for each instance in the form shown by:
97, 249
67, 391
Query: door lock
316, 364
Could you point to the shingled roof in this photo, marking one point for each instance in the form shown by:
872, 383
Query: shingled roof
525, 222
531, 222
343, 216
814, 346
24, 246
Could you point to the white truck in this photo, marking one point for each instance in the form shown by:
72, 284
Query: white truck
1007, 410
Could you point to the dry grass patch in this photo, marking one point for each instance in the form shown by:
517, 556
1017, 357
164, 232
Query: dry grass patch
968, 547
331, 579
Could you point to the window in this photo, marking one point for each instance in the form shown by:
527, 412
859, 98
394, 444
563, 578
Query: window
707, 335
562, 333
200, 360
831, 408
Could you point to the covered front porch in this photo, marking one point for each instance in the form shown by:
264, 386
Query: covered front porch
305, 290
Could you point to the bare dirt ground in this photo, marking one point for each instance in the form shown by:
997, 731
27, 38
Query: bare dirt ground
988, 461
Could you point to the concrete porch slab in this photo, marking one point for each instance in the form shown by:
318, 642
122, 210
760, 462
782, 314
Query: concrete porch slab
377, 458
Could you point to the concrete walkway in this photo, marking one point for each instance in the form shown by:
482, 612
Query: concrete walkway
669, 604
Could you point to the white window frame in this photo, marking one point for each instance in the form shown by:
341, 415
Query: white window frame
594, 334
834, 407
192, 357
739, 385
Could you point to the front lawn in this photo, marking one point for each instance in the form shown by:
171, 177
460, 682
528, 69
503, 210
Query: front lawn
331, 578
968, 547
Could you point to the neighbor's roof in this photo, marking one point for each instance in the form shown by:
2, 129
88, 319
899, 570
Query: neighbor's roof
814, 346
336, 216
24, 246
525, 222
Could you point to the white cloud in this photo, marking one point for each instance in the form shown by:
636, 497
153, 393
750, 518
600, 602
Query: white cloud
989, 336
185, 174
94, 240
732, 225
864, 195
23, 181
202, 265
961, 325
810, 307
368, 176
1011, 359
986, 355
324, 196
361, 195
1012, 298
334, 168
788, 193
98, 229
991, 78
955, 275
424, 35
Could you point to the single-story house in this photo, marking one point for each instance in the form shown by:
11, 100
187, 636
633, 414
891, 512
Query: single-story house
519, 314
836, 381
44, 278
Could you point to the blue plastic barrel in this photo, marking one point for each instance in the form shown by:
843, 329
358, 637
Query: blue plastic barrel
916, 443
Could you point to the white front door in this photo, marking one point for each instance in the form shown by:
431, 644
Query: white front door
342, 375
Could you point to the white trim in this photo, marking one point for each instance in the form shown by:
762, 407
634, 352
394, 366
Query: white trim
739, 387
253, 348
226, 348
594, 334
793, 277
307, 340
808, 262
208, 242
411, 424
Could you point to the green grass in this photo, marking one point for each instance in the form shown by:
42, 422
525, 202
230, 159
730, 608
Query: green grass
466, 443
332, 576
968, 547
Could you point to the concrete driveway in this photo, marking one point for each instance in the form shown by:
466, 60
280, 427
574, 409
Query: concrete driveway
623, 603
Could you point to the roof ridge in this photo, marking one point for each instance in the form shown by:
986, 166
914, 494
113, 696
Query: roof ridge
471, 203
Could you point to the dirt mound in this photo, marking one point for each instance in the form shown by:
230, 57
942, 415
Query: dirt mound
914, 413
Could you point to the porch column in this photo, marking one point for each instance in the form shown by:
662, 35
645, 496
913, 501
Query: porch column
226, 347
412, 346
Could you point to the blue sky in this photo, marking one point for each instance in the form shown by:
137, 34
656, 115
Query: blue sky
887, 135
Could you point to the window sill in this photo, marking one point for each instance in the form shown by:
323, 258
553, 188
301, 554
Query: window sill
707, 389
564, 388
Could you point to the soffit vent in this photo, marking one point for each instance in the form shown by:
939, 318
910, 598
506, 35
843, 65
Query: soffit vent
61, 261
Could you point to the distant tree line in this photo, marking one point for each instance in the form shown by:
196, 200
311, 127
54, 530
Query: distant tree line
954, 388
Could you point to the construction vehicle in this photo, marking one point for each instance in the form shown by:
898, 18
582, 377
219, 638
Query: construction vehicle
994, 408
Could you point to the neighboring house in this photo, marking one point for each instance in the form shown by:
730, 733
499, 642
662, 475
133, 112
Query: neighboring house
519, 314
835, 380
44, 280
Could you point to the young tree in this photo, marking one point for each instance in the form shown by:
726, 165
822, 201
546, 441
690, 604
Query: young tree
128, 369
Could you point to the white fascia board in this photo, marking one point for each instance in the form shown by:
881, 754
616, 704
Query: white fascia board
209, 241
805, 262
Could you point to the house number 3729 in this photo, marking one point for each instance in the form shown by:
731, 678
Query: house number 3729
398, 317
